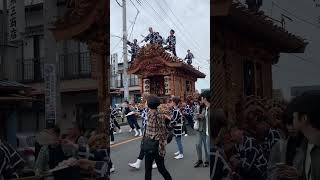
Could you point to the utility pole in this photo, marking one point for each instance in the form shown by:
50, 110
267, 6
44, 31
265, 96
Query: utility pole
125, 51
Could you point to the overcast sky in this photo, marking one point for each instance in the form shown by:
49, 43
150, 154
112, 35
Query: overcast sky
190, 20
293, 71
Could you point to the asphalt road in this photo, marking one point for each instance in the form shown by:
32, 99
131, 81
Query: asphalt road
127, 147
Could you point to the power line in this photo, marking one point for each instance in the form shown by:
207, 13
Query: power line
134, 5
149, 15
295, 16
187, 32
135, 19
119, 40
173, 22
183, 43
113, 35
159, 17
179, 22
303, 59
162, 19
118, 3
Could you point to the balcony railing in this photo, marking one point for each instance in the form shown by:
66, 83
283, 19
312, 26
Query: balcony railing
132, 82
71, 66
30, 70
75, 66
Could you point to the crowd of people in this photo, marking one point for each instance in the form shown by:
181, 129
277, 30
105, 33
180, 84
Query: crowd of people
69, 156
262, 148
155, 38
87, 154
164, 120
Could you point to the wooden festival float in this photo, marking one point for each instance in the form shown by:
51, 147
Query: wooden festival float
162, 74
245, 45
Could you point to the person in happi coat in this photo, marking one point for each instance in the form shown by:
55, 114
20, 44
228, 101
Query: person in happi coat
151, 37
94, 156
130, 113
188, 112
114, 113
248, 158
134, 48
112, 126
177, 124
189, 57
159, 39
10, 161
171, 41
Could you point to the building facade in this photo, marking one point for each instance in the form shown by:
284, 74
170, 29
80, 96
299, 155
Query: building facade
78, 89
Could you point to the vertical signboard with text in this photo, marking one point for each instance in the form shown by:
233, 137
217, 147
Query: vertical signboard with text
16, 19
114, 69
50, 94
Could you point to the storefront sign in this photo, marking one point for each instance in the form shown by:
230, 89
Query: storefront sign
16, 19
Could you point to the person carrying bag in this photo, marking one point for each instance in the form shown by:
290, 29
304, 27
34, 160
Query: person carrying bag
154, 140
149, 145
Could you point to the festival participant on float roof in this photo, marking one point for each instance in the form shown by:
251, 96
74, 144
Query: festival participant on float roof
189, 57
172, 42
134, 49
159, 38
151, 37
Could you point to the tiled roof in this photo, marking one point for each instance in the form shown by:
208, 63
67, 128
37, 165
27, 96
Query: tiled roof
261, 26
155, 50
